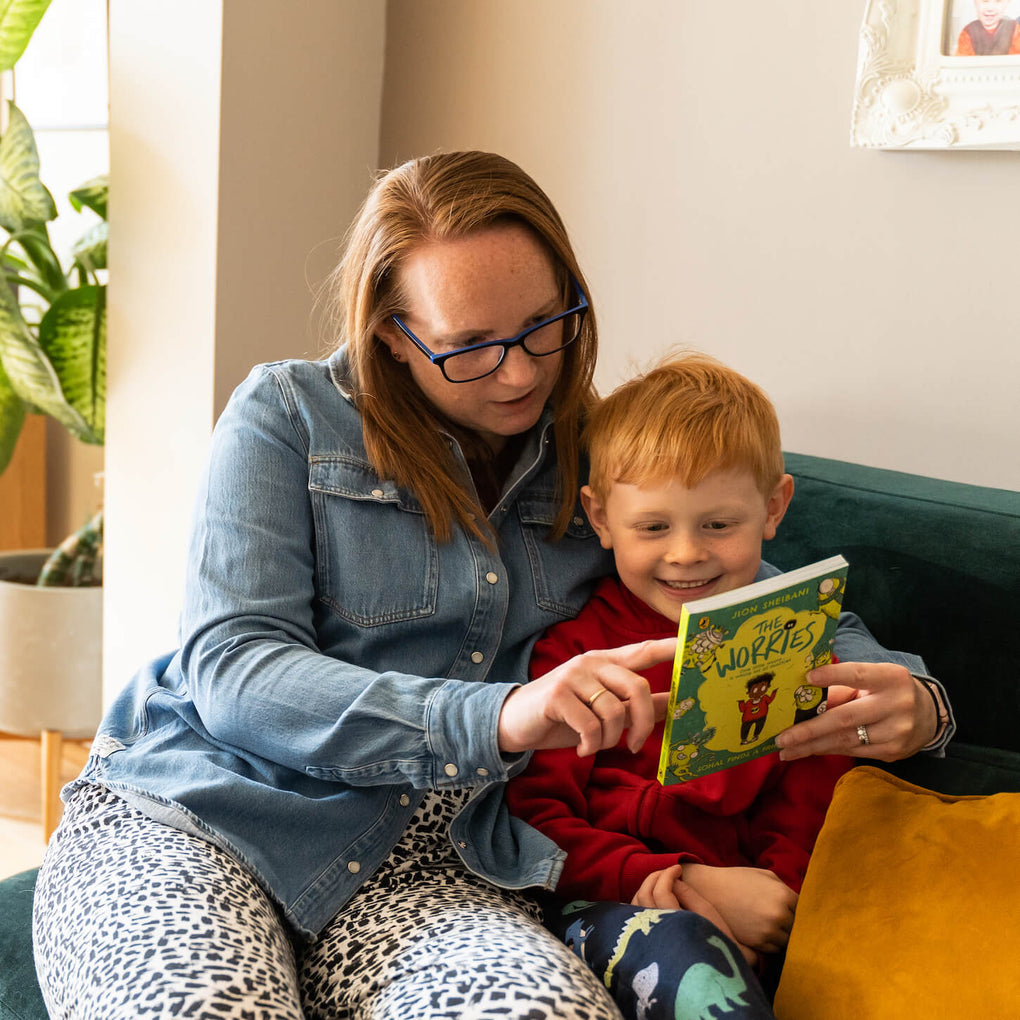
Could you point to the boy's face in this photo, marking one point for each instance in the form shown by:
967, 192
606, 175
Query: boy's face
990, 13
673, 544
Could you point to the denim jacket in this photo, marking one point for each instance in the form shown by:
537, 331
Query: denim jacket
335, 661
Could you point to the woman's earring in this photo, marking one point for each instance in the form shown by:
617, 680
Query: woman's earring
396, 356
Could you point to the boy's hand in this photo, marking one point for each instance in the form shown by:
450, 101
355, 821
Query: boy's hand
896, 711
659, 890
756, 904
666, 890
588, 701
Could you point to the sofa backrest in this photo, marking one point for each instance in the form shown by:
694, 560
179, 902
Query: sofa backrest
934, 569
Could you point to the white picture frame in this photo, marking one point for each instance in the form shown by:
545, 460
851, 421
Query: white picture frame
914, 92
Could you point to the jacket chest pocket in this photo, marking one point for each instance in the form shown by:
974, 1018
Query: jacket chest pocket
564, 572
376, 562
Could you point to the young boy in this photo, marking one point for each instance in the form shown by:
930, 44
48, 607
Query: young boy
992, 34
686, 482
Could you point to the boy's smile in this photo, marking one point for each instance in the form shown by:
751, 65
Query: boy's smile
673, 544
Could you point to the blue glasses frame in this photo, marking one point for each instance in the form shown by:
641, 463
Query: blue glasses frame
581, 308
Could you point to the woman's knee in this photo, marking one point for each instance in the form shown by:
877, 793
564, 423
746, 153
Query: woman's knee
146, 920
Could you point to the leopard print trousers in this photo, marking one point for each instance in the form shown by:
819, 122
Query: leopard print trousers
134, 918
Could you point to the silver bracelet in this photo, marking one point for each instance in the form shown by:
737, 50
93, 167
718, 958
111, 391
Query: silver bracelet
941, 715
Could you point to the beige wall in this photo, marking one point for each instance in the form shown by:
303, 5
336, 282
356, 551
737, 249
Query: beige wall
299, 134
703, 167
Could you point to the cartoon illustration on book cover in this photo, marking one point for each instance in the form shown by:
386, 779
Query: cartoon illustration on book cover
740, 677
683, 752
755, 709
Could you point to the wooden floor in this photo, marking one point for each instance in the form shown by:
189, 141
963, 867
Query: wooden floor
21, 838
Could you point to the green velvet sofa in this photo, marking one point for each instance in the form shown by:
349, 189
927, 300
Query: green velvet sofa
934, 569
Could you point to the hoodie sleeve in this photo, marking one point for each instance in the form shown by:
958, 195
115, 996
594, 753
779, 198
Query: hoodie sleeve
552, 795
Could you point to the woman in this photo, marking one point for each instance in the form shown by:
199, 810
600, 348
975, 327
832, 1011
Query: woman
300, 813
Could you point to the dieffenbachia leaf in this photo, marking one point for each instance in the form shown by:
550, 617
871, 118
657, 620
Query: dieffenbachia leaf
29, 371
73, 336
24, 200
12, 417
90, 249
92, 195
18, 20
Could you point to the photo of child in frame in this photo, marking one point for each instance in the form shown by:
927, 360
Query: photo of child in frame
983, 28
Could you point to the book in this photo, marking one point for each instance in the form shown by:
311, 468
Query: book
739, 676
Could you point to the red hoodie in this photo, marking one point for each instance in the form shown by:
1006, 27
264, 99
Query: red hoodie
618, 824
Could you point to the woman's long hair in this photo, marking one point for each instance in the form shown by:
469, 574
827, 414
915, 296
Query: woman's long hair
435, 198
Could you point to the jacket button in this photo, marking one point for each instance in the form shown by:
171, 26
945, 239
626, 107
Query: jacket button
482, 772
450, 769
404, 800
477, 657
578, 521
492, 577
354, 867
377, 493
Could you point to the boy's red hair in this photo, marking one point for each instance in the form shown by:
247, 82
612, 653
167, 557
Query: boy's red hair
687, 417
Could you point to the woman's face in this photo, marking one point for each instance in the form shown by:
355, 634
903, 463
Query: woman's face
490, 285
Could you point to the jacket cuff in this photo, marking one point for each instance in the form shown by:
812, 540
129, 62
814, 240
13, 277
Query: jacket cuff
462, 731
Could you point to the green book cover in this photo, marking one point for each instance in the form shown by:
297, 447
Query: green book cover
740, 668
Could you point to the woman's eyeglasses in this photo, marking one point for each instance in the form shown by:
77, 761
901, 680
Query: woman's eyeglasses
466, 364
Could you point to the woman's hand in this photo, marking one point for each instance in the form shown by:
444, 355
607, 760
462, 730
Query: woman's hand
757, 905
876, 700
589, 701
666, 890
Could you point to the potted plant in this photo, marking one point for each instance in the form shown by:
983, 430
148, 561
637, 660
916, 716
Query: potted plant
52, 362
52, 319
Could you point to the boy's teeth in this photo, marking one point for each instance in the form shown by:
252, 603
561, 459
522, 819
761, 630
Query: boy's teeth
685, 584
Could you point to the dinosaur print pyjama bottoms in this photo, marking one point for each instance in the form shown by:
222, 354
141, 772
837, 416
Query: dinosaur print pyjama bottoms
661, 964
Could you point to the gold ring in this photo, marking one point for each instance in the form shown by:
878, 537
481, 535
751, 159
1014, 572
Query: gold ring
598, 694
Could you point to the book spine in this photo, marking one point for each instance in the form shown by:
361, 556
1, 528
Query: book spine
682, 635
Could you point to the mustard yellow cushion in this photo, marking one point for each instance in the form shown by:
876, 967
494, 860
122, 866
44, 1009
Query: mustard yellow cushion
910, 908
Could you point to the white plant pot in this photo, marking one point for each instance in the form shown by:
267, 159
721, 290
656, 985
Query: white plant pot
50, 652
